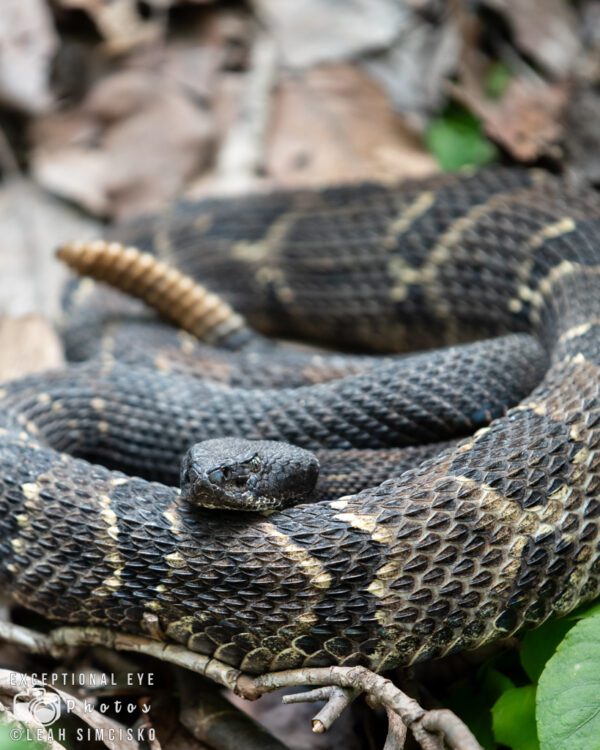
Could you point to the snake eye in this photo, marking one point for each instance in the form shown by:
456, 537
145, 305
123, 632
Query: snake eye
217, 476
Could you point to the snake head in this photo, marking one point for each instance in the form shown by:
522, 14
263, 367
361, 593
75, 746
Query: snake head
239, 474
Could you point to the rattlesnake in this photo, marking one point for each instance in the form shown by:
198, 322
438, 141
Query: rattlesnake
490, 534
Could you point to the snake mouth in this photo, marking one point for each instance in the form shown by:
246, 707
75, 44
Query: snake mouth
238, 495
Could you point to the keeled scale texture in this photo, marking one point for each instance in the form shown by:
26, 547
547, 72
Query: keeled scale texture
493, 534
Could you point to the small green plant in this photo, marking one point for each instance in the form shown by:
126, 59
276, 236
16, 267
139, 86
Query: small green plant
568, 694
13, 737
545, 698
456, 139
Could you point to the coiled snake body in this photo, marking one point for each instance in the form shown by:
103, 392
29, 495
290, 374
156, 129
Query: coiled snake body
491, 534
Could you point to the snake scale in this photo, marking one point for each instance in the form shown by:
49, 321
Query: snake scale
492, 533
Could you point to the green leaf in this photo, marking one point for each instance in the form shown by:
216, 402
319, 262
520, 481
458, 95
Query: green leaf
568, 698
456, 140
539, 645
467, 702
513, 719
494, 683
472, 701
13, 736
585, 610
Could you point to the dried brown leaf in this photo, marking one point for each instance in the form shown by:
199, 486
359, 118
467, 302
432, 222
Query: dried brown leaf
33, 225
202, 57
154, 153
27, 44
526, 121
75, 173
544, 29
334, 123
316, 31
27, 344
414, 69
121, 95
129, 148
120, 22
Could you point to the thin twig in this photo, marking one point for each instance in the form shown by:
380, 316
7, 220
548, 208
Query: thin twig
397, 732
449, 725
58, 641
381, 691
433, 730
28, 640
338, 699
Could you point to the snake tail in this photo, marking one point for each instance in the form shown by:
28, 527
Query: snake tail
173, 294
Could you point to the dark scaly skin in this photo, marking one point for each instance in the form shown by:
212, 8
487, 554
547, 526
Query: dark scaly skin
367, 266
490, 536
146, 423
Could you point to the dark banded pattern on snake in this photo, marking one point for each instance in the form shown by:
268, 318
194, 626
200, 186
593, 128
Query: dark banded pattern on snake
490, 536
